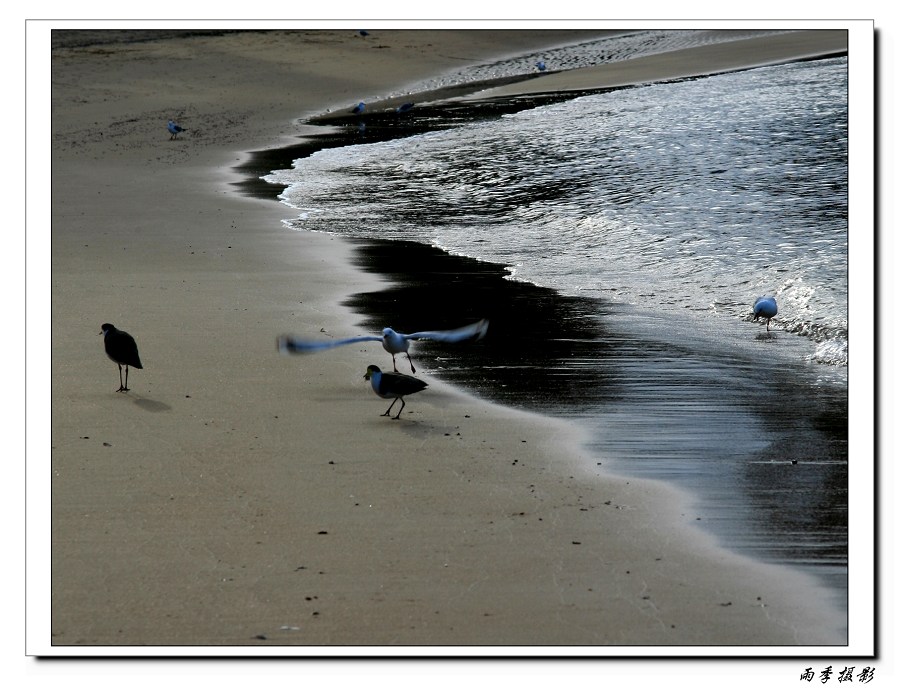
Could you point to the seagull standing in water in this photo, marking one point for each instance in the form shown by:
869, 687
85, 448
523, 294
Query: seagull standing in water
765, 307
392, 341
393, 385
174, 129
121, 349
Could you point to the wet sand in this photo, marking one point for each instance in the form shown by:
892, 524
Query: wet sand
235, 497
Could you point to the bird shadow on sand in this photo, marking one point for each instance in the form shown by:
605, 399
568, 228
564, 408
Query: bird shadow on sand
151, 405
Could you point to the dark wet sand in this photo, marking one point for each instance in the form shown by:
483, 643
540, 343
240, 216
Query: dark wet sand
563, 356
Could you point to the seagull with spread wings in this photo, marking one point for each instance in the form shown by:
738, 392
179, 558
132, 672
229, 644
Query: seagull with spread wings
392, 341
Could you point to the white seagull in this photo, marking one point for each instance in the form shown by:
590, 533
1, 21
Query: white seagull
765, 307
174, 129
392, 341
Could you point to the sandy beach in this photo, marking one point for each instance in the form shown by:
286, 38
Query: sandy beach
237, 497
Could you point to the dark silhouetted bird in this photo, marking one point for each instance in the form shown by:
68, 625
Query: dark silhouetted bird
121, 349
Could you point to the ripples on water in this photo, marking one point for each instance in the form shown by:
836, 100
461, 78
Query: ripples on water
694, 197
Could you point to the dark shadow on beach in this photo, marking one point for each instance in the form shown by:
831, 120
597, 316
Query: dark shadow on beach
535, 343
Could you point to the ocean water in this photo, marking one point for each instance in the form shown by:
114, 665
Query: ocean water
672, 206
636, 195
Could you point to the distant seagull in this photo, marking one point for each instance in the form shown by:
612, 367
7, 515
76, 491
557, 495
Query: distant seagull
541, 65
174, 129
392, 341
359, 108
765, 307
363, 32
406, 106
121, 349
393, 385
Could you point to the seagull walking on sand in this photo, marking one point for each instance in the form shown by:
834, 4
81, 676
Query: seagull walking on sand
392, 341
765, 307
393, 385
174, 129
121, 349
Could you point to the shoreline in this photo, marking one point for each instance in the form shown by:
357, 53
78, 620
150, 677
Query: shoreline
221, 480
554, 355
550, 366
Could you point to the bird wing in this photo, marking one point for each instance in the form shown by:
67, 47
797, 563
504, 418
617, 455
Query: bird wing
394, 384
294, 344
476, 330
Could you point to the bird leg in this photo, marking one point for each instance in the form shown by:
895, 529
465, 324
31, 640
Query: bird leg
411, 366
388, 412
402, 404
123, 387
